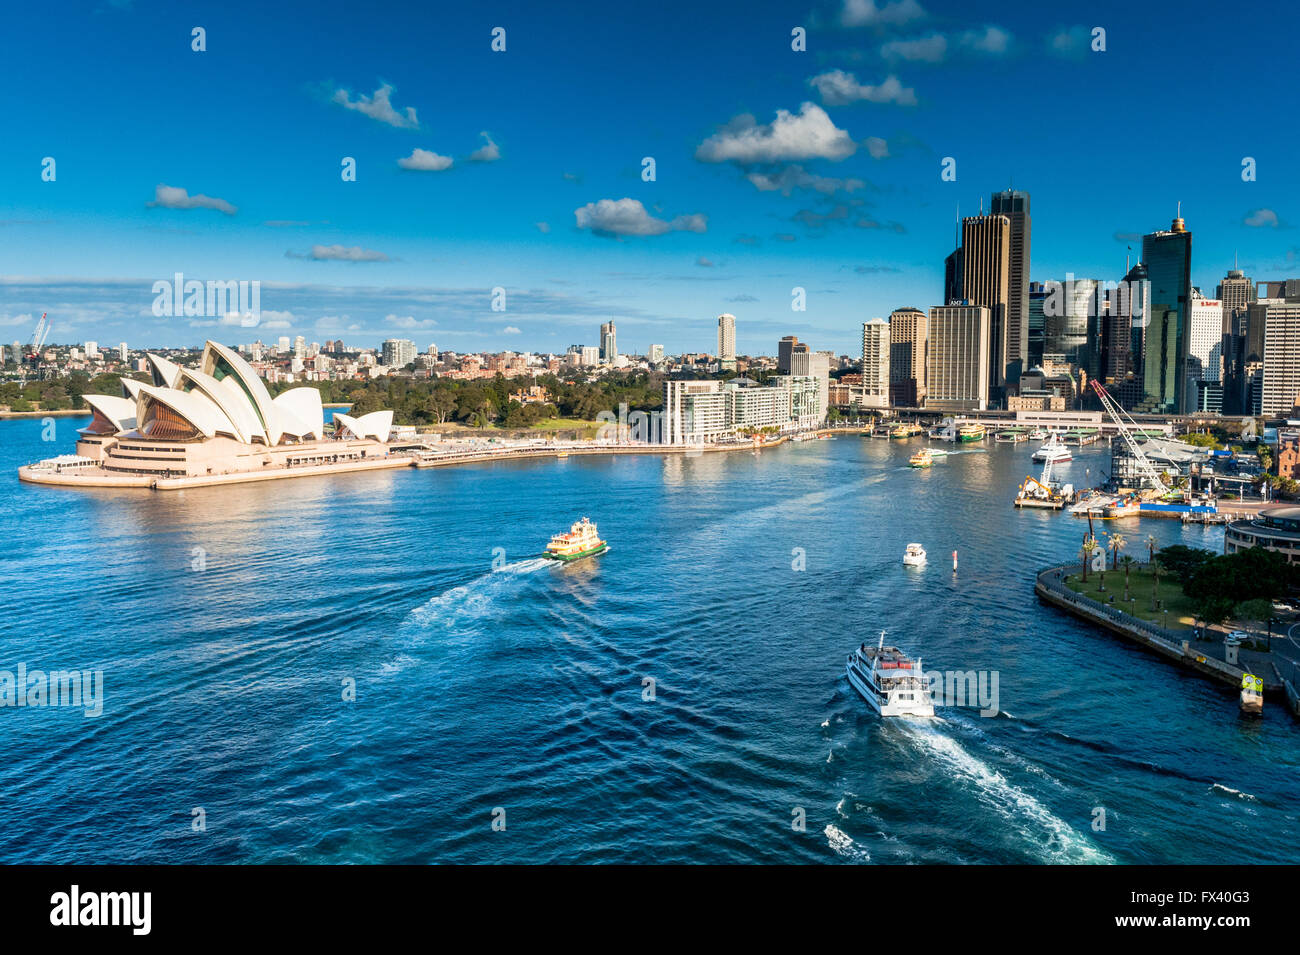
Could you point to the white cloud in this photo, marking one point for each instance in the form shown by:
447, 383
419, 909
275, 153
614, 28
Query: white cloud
877, 147
993, 41
617, 217
174, 197
838, 88
339, 253
378, 107
510, 330
703, 262
543, 227
1069, 41
793, 177
859, 13
407, 321
422, 160
809, 134
489, 152
1261, 218
926, 49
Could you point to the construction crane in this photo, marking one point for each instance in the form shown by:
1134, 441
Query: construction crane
1117, 414
41, 332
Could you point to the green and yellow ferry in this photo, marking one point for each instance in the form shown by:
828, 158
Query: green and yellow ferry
581, 541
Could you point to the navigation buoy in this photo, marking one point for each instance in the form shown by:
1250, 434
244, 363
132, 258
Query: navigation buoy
954, 562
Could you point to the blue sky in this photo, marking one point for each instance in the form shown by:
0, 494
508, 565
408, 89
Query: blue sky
839, 194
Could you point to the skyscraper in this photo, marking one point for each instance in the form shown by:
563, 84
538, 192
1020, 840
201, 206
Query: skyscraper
608, 342
727, 338
875, 363
957, 359
785, 350
908, 338
986, 278
1037, 325
1281, 385
1168, 258
1015, 206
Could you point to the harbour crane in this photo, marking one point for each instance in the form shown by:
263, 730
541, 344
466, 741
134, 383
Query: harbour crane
1117, 414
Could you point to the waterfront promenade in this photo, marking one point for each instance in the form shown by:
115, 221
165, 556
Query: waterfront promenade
1200, 649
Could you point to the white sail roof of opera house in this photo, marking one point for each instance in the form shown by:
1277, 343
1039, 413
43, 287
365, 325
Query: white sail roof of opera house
223, 396
375, 425
112, 414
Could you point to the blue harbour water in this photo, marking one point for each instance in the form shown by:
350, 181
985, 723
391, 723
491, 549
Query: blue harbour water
227, 620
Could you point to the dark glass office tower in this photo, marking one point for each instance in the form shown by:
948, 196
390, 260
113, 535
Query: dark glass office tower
1168, 258
1015, 206
1037, 324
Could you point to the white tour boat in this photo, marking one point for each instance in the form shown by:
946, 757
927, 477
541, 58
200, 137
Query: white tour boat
914, 556
890, 681
1054, 450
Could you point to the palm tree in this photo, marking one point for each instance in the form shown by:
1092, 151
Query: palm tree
1086, 552
1116, 543
1151, 548
1128, 563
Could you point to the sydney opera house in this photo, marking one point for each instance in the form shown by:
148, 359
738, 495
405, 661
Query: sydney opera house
211, 424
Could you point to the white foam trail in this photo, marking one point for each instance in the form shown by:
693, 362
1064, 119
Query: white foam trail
1232, 792
474, 599
843, 844
1063, 843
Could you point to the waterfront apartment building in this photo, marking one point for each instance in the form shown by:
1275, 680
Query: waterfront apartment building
1014, 205
1168, 258
396, 352
908, 339
1281, 372
876, 347
727, 340
986, 281
957, 358
706, 412
807, 363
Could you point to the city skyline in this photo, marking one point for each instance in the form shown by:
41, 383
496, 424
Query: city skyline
774, 169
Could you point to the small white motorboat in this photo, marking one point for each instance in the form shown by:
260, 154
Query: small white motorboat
914, 556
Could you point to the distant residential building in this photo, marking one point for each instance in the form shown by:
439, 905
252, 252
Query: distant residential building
875, 363
957, 358
92, 349
122, 352
727, 339
300, 347
396, 352
608, 342
908, 340
656, 354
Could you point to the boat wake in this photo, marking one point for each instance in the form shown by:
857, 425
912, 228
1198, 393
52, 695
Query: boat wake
843, 845
1053, 838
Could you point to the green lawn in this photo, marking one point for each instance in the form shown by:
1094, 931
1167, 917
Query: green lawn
1176, 602
562, 424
